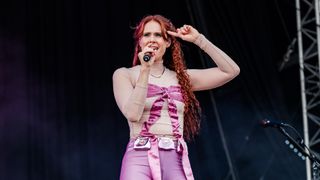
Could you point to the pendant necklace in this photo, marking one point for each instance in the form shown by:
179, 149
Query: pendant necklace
159, 76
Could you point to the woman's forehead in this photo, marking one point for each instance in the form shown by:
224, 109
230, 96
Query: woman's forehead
152, 26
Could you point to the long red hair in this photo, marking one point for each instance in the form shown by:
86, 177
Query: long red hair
174, 60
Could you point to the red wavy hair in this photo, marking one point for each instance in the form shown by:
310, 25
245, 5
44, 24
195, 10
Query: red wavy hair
174, 60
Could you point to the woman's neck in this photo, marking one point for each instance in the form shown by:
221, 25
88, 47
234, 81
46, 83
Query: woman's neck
157, 69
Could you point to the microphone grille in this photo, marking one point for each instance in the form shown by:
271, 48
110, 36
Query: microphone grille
146, 58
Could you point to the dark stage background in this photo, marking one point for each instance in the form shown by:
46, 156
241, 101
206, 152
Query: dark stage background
58, 117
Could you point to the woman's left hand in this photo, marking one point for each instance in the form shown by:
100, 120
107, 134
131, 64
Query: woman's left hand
186, 33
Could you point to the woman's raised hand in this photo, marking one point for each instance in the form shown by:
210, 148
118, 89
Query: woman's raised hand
186, 33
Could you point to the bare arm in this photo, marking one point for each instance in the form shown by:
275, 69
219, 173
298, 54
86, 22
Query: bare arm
130, 99
209, 78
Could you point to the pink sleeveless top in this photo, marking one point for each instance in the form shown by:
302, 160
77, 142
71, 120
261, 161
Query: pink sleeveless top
163, 104
163, 116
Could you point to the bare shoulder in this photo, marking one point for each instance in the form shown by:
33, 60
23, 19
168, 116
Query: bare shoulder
123, 71
126, 73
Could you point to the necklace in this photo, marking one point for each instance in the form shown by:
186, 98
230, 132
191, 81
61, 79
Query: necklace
159, 76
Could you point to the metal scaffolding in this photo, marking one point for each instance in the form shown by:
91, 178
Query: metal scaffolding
308, 26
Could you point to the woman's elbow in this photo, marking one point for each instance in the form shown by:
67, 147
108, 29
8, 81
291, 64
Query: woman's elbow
236, 71
131, 116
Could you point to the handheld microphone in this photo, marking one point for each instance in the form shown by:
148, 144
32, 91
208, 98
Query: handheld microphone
268, 123
147, 57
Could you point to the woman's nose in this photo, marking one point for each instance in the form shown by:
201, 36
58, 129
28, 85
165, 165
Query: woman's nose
152, 39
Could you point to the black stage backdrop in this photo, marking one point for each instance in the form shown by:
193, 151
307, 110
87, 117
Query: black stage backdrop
58, 117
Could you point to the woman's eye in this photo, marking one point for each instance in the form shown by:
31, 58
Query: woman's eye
155, 35
146, 34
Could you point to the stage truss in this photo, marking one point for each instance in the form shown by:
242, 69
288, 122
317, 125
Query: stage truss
308, 35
